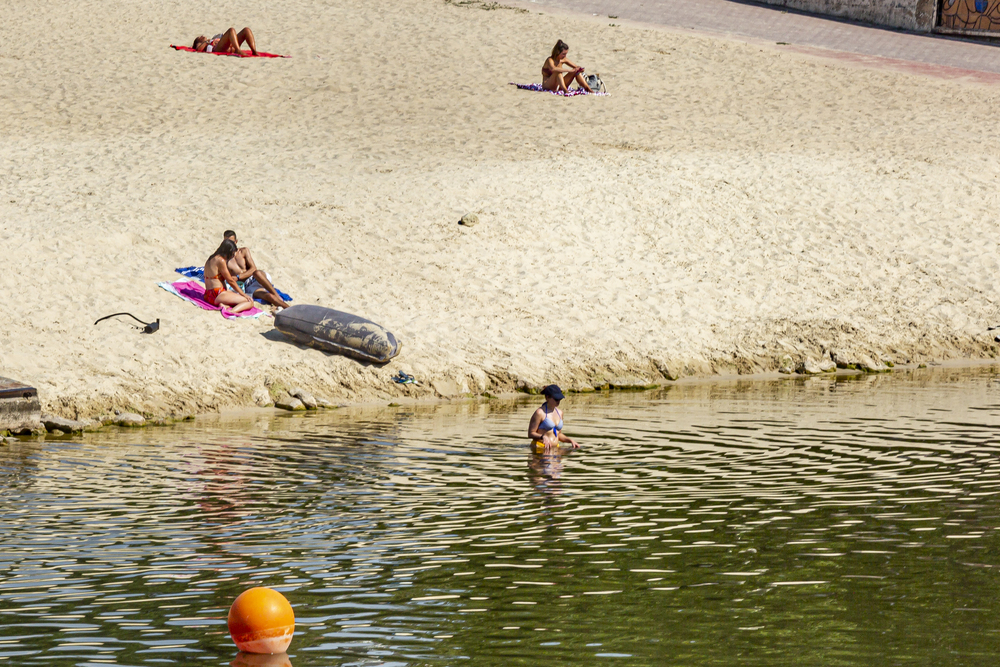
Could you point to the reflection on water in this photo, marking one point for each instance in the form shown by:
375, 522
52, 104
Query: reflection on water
545, 469
258, 660
811, 522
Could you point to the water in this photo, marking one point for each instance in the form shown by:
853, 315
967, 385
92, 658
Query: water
769, 523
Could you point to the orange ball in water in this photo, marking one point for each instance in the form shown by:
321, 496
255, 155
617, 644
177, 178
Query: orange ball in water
261, 621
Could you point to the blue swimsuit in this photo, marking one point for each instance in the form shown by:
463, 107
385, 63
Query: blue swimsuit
549, 425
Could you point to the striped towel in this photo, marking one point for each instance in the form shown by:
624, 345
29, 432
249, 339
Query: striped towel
573, 92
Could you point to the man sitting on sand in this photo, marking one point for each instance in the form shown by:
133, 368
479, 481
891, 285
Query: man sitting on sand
226, 42
257, 285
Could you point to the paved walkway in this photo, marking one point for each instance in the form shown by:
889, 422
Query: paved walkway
925, 54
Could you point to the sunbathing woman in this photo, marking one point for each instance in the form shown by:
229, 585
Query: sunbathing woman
217, 275
558, 72
227, 42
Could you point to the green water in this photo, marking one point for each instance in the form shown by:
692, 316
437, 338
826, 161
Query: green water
771, 523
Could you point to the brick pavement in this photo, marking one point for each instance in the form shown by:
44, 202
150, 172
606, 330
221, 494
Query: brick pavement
866, 45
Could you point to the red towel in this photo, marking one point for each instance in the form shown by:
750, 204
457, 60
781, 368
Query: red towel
246, 54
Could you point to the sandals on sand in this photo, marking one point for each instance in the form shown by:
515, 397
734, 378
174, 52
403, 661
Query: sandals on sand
404, 378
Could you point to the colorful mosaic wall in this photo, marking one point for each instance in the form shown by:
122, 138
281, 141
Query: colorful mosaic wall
971, 14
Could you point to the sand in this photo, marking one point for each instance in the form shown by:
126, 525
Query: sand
727, 207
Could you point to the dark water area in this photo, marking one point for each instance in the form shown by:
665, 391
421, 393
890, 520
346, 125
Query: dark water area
805, 522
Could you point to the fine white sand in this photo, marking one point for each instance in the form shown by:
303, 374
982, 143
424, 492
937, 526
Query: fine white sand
727, 205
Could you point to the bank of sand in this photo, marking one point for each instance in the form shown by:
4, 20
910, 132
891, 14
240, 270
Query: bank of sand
727, 205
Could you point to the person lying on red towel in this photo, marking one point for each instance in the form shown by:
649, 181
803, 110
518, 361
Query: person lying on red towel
227, 42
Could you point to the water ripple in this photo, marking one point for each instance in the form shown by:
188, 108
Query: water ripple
747, 523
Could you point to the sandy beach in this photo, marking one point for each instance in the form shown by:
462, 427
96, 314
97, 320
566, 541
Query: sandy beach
727, 205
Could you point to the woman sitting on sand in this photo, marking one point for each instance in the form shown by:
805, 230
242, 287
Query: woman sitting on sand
546, 426
217, 275
227, 42
558, 72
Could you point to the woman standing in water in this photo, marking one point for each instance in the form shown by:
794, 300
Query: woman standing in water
546, 426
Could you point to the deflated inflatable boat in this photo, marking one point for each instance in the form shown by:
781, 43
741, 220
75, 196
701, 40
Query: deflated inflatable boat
341, 333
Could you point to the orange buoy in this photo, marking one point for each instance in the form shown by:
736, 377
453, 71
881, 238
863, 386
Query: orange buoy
261, 621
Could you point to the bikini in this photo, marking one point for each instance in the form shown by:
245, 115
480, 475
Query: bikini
547, 425
212, 294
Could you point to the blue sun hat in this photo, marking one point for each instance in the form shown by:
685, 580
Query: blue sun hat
554, 392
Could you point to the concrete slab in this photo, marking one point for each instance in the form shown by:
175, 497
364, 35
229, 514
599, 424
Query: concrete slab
14, 389
20, 409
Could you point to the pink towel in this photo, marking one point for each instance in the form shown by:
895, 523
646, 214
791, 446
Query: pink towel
246, 54
194, 292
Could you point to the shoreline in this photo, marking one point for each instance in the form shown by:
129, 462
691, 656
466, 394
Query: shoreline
251, 412
648, 374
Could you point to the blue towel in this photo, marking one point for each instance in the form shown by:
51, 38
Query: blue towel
198, 273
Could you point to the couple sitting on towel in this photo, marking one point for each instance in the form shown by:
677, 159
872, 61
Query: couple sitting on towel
230, 264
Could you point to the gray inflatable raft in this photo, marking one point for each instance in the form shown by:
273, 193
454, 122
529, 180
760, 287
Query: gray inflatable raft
341, 333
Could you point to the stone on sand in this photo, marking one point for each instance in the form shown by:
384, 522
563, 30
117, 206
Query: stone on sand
306, 398
869, 365
96, 424
286, 402
53, 423
812, 367
130, 419
786, 366
262, 397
